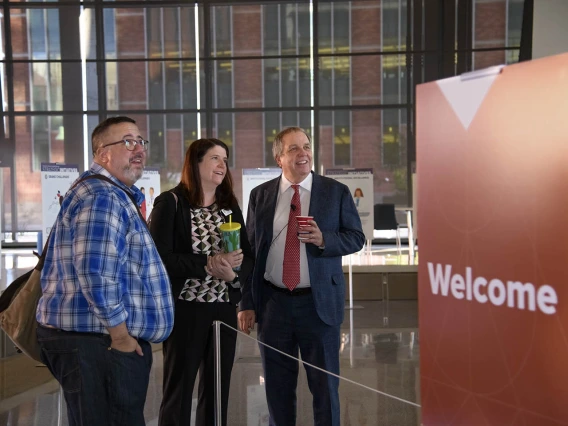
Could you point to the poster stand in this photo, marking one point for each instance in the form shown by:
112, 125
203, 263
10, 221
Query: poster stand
360, 184
56, 179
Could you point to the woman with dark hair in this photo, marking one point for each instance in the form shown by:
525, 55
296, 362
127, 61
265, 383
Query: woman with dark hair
185, 227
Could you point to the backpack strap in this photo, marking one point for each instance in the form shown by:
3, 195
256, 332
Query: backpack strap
102, 177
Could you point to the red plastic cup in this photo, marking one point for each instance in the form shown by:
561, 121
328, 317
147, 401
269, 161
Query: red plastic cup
303, 221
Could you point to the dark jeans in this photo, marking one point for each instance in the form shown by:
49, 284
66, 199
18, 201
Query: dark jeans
102, 386
292, 325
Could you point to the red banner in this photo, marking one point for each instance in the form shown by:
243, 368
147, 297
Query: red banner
492, 152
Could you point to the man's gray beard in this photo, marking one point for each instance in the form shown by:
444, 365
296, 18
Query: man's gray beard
135, 175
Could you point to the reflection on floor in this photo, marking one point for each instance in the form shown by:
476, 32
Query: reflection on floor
381, 359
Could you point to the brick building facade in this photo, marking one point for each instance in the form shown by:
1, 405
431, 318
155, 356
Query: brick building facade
352, 137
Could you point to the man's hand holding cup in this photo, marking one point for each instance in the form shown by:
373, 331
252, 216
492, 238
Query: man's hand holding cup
308, 231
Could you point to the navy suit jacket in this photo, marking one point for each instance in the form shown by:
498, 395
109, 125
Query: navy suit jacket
334, 211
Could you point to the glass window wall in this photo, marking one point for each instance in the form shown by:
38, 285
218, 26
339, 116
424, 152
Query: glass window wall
344, 70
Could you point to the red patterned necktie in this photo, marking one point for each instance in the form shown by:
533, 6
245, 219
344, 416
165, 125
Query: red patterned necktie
291, 265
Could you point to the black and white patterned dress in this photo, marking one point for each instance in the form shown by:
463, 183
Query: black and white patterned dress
206, 239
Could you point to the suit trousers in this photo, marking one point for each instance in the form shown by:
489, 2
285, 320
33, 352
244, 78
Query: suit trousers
191, 347
291, 324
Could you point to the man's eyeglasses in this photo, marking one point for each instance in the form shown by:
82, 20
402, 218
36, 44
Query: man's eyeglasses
130, 144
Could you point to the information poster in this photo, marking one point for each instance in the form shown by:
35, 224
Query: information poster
56, 179
254, 177
149, 184
493, 312
360, 184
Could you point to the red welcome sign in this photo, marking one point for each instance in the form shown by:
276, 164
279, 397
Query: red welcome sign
492, 152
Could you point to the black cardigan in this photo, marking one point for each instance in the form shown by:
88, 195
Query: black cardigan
170, 228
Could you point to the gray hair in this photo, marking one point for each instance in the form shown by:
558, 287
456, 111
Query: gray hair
277, 145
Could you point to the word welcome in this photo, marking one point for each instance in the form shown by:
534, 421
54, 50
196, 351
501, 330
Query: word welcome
516, 294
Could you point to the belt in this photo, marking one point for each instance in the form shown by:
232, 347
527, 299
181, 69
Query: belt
296, 292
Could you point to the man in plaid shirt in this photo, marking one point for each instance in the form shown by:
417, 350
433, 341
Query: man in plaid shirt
106, 293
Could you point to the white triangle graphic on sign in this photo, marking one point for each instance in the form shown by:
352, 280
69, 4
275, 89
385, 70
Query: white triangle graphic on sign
466, 93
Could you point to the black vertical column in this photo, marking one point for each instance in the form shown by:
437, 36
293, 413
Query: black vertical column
464, 35
71, 86
413, 65
101, 65
417, 40
525, 53
209, 71
439, 39
448, 39
8, 145
315, 136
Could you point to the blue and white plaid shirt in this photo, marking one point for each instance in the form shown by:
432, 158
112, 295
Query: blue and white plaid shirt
102, 267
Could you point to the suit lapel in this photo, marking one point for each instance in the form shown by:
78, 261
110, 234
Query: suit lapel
317, 198
270, 196
318, 206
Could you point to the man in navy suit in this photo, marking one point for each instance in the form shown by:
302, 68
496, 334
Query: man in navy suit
308, 317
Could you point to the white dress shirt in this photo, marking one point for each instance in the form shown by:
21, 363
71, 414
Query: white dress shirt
275, 260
